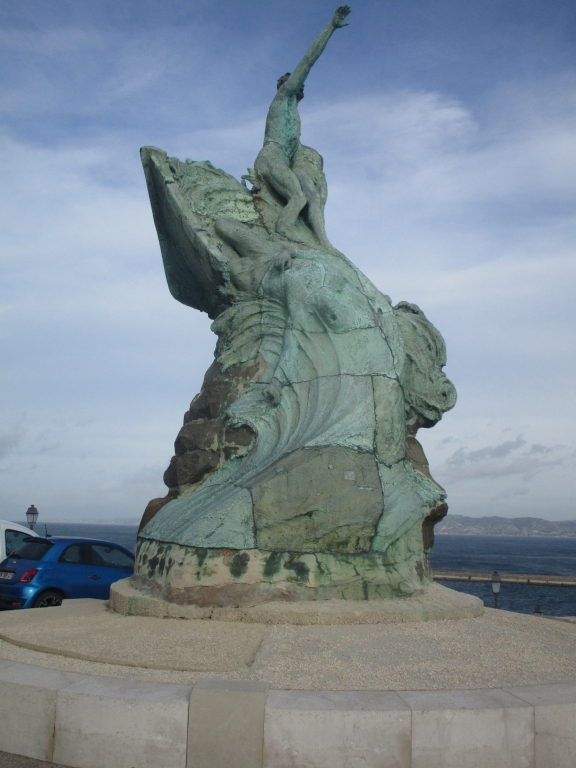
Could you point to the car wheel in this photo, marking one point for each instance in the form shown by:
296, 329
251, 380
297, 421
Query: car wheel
48, 600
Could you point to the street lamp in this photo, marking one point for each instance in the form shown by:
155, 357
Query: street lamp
31, 516
496, 584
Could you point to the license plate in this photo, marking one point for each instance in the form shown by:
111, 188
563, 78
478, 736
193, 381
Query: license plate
5, 575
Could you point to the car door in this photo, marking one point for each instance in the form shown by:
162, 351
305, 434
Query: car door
107, 564
69, 573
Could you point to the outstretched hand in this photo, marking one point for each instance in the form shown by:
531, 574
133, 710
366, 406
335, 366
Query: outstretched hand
341, 12
283, 260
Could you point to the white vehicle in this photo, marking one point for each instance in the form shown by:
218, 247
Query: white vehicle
11, 536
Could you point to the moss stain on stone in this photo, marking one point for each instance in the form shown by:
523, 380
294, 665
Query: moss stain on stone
272, 565
201, 554
239, 564
301, 570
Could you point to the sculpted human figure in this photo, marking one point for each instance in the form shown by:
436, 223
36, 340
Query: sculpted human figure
290, 169
308, 167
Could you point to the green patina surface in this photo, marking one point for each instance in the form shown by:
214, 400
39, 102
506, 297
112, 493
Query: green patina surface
297, 473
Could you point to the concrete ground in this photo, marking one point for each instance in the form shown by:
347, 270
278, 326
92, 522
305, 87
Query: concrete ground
496, 649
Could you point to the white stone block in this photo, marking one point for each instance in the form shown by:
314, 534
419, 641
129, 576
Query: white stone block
28, 707
226, 726
555, 722
470, 729
336, 729
104, 722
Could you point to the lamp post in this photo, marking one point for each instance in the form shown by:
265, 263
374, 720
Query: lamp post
31, 516
496, 584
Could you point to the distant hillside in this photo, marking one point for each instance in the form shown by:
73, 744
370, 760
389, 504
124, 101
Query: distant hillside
505, 526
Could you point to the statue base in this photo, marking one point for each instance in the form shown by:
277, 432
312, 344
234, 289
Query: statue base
219, 577
433, 603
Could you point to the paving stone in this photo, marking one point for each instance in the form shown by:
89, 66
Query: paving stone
18, 761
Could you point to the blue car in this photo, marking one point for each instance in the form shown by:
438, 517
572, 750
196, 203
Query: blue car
42, 572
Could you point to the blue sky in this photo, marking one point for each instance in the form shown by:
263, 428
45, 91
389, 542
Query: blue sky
448, 132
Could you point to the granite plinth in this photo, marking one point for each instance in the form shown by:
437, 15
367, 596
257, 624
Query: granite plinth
486, 692
433, 603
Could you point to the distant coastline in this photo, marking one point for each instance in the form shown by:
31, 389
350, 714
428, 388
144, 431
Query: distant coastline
451, 525
461, 525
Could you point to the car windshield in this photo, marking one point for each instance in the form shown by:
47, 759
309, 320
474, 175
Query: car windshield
32, 549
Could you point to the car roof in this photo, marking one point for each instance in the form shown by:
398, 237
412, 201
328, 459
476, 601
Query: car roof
79, 540
17, 526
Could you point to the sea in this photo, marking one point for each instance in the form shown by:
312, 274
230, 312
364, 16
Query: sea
552, 556
506, 554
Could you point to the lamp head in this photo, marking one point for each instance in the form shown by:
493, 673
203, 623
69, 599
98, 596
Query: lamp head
31, 516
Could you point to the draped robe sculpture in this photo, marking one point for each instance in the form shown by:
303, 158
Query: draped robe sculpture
297, 473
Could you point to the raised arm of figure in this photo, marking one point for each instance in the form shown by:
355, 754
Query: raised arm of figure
297, 78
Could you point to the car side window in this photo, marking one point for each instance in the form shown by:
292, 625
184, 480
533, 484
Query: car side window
73, 554
13, 540
111, 557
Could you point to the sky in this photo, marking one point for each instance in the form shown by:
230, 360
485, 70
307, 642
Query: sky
448, 134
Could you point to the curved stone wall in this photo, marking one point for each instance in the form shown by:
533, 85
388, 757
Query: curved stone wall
96, 722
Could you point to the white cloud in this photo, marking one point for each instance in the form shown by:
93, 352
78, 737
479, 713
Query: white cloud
473, 221
95, 349
512, 457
